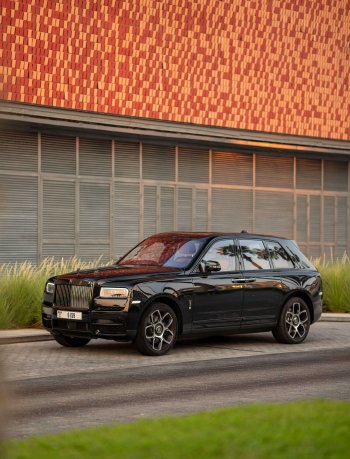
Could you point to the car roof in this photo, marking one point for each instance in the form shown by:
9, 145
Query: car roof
211, 235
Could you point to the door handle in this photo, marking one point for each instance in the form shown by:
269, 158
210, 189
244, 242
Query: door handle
244, 281
250, 279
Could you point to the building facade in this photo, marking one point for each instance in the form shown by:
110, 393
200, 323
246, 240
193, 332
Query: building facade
119, 119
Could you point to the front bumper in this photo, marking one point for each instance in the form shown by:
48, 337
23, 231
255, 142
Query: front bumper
94, 324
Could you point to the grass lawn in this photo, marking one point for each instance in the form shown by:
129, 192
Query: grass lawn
313, 429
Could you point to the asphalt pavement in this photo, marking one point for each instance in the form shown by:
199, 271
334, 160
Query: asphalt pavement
52, 388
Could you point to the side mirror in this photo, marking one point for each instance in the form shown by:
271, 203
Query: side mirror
209, 266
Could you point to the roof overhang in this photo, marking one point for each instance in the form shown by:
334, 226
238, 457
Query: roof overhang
39, 117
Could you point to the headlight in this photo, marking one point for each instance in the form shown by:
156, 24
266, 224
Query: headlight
110, 292
50, 288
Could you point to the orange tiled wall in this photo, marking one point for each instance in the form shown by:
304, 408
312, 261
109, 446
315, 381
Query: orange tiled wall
270, 65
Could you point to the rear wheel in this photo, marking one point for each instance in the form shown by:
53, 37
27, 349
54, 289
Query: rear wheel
69, 341
157, 330
294, 322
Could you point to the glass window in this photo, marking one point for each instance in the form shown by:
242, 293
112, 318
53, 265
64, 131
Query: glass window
280, 257
224, 252
254, 254
170, 251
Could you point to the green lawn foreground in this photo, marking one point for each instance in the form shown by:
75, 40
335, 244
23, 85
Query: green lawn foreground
308, 429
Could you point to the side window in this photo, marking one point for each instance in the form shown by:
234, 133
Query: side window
280, 257
254, 254
223, 252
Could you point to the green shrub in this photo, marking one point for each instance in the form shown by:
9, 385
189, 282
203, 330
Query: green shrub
336, 283
22, 286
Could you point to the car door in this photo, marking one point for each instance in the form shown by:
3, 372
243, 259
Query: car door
263, 292
218, 296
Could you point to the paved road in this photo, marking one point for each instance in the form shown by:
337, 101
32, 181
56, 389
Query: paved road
55, 388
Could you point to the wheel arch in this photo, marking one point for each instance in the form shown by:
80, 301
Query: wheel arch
172, 303
304, 296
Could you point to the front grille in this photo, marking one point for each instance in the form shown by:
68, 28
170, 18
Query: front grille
73, 296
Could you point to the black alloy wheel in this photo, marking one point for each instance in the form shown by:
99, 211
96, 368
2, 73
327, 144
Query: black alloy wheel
69, 341
294, 322
157, 330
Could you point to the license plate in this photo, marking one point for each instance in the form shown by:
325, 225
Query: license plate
70, 315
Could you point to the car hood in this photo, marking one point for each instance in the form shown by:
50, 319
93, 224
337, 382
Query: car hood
115, 273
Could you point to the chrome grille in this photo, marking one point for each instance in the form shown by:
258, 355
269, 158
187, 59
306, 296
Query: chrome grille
73, 296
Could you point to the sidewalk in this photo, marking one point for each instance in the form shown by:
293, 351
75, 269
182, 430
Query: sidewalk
28, 335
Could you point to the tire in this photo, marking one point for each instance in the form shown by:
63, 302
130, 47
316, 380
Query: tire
157, 330
294, 322
69, 341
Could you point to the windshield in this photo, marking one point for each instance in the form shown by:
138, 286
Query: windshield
170, 252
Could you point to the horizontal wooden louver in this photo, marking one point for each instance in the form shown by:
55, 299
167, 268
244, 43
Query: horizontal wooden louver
127, 160
232, 168
302, 219
150, 210
94, 252
19, 218
329, 219
126, 217
201, 216
19, 151
193, 165
274, 213
58, 250
94, 219
232, 210
95, 157
342, 204
315, 218
274, 172
58, 154
59, 210
184, 209
167, 204
336, 175
158, 162
308, 174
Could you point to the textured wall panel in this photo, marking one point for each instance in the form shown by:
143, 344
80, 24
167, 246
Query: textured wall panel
232, 168
274, 172
58, 154
158, 162
274, 213
18, 151
193, 165
126, 217
18, 218
277, 66
232, 210
59, 210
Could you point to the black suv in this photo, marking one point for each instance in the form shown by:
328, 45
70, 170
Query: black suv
179, 283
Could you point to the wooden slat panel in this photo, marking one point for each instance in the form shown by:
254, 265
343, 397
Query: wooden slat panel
232, 168
193, 165
58, 154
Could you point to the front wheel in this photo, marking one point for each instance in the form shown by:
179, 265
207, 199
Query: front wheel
69, 341
294, 322
157, 331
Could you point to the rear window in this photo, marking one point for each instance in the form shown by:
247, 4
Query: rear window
298, 257
279, 256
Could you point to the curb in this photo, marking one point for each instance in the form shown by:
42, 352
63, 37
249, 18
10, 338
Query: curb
335, 318
24, 337
32, 335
